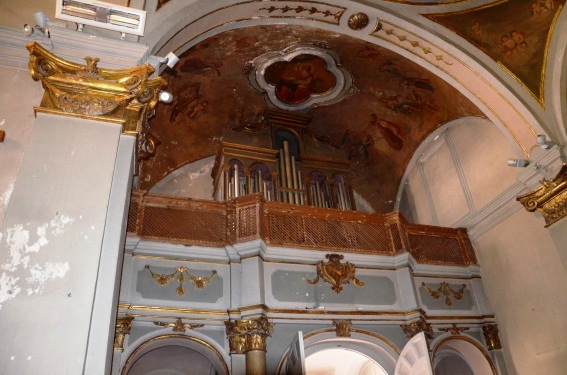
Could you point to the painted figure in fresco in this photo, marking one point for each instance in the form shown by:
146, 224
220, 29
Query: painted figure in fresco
297, 80
188, 102
513, 43
390, 132
541, 7
200, 67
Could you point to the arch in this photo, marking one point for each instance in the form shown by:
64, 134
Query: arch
466, 158
211, 351
465, 347
504, 108
370, 344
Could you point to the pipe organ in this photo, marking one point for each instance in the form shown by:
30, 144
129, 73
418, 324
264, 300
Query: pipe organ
284, 163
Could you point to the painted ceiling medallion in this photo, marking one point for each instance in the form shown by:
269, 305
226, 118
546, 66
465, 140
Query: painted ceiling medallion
300, 78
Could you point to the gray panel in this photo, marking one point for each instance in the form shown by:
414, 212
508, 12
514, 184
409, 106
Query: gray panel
292, 286
150, 289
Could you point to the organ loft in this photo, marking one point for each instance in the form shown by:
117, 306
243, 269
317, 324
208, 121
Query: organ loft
282, 160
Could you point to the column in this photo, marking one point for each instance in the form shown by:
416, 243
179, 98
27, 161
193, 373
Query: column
64, 227
249, 337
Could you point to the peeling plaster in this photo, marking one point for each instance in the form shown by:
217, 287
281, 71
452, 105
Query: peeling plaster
20, 256
5, 197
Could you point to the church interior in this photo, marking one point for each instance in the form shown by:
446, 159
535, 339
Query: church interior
361, 187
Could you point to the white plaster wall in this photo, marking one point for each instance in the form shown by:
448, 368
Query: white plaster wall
525, 282
16, 119
52, 238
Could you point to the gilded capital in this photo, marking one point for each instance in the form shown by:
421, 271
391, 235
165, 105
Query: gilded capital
550, 199
124, 96
247, 335
413, 328
490, 332
342, 327
122, 328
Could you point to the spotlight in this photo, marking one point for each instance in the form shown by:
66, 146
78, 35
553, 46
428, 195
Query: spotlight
518, 163
28, 30
171, 59
543, 142
165, 96
41, 19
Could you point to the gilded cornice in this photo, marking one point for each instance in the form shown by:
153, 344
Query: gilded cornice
550, 199
125, 96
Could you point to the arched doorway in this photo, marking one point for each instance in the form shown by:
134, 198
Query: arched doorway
342, 361
175, 355
461, 355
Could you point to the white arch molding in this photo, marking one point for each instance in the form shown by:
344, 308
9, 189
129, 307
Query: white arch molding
466, 347
479, 85
372, 345
155, 340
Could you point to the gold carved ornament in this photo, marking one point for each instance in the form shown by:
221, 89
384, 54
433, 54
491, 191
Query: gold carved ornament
490, 332
178, 325
124, 96
122, 328
336, 273
420, 325
342, 327
454, 330
550, 199
249, 334
182, 274
445, 290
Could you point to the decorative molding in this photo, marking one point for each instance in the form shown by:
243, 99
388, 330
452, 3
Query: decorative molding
358, 21
420, 325
445, 290
125, 95
122, 328
330, 14
181, 274
343, 327
335, 273
247, 335
491, 336
407, 40
454, 330
178, 325
550, 199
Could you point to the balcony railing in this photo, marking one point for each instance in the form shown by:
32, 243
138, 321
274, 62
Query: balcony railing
210, 223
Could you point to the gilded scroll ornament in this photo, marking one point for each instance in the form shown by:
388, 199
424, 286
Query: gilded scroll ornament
490, 332
249, 334
445, 290
178, 325
550, 199
342, 327
454, 330
122, 328
181, 274
336, 273
125, 96
413, 328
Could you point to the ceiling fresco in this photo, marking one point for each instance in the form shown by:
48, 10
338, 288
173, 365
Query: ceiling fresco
391, 107
513, 33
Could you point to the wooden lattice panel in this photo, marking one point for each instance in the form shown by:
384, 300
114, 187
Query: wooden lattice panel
132, 216
436, 250
326, 234
199, 222
178, 224
247, 223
